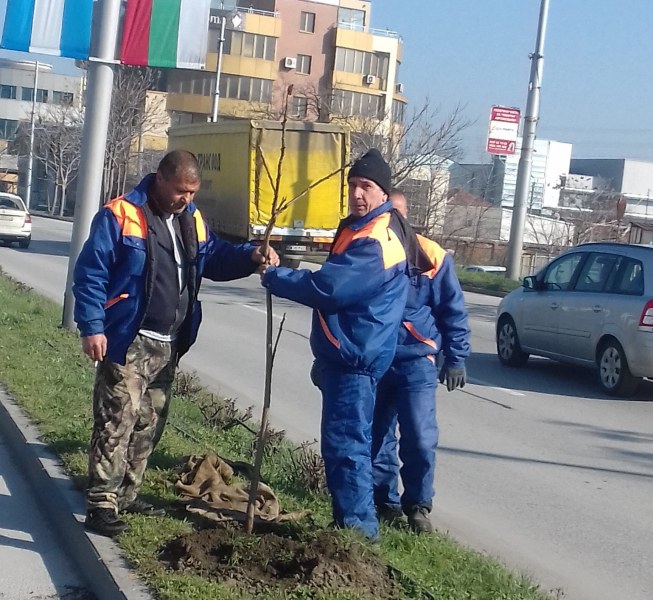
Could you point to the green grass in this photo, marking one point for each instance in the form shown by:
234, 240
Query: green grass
43, 368
487, 281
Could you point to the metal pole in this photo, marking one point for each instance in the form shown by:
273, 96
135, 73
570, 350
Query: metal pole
94, 139
30, 158
516, 243
216, 94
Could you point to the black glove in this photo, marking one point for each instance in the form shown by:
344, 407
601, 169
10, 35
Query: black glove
455, 377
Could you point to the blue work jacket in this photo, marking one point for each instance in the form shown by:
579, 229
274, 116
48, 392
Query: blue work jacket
358, 295
113, 273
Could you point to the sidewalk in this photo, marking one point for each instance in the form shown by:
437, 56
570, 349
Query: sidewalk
45, 552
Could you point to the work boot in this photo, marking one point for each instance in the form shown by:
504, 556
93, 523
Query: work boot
419, 520
105, 522
140, 507
391, 515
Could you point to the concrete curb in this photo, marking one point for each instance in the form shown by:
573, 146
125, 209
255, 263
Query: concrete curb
98, 559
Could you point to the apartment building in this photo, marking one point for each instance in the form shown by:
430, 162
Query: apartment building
16, 101
17, 92
338, 65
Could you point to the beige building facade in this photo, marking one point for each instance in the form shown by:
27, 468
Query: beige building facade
338, 66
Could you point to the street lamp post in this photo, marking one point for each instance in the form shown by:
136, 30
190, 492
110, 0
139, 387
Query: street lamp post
516, 243
30, 158
216, 93
94, 138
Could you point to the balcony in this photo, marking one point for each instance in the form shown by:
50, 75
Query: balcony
370, 30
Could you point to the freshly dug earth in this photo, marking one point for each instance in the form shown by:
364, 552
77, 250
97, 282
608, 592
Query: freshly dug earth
256, 563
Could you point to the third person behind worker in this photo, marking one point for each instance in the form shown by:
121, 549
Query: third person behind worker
435, 320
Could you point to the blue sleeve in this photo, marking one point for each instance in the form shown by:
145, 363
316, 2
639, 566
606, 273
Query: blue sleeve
91, 273
344, 279
448, 305
226, 261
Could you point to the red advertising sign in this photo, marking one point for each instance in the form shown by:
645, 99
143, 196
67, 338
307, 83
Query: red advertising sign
503, 130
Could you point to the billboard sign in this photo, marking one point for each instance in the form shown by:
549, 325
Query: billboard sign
503, 130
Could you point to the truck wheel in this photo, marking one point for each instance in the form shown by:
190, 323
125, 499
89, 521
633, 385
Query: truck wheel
291, 263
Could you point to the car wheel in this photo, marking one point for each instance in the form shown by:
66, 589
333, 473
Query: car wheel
614, 375
24, 243
508, 346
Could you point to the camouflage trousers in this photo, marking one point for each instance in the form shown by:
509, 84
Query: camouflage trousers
130, 406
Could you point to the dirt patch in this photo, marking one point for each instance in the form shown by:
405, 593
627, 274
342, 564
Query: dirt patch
256, 563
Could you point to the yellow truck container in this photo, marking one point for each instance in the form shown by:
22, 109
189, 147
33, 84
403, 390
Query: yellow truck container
236, 193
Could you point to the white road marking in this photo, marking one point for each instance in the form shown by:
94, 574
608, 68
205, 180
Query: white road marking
260, 310
498, 389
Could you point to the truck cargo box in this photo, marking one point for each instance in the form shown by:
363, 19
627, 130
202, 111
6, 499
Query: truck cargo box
236, 192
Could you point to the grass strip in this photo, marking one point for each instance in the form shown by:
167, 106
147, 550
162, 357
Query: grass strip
42, 366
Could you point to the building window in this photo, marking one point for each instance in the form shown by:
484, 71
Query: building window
8, 92
307, 22
362, 63
398, 111
299, 107
355, 104
304, 64
27, 94
239, 43
201, 84
65, 98
351, 18
250, 89
8, 127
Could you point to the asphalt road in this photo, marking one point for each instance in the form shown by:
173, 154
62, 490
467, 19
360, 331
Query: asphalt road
535, 465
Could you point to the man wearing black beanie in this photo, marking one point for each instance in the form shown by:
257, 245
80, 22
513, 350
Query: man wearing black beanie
358, 297
373, 166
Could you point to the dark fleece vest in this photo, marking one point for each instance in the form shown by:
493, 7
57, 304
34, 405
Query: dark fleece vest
168, 306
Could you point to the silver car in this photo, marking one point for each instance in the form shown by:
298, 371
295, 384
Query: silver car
15, 220
592, 306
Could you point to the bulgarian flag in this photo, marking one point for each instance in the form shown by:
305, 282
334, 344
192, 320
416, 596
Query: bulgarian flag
56, 27
166, 33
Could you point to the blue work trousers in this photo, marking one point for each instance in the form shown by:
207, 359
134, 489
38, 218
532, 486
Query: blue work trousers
347, 413
405, 395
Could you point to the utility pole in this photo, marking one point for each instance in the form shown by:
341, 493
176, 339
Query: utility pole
516, 243
30, 158
94, 138
216, 94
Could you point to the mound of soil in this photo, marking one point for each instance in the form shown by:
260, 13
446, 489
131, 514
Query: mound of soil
256, 563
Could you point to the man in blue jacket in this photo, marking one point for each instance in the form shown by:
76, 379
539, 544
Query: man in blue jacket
435, 320
358, 297
136, 283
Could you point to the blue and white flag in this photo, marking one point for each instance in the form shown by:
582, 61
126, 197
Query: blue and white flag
57, 27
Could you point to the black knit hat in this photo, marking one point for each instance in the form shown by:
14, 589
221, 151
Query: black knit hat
372, 166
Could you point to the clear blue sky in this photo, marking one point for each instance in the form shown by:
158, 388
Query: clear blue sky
597, 85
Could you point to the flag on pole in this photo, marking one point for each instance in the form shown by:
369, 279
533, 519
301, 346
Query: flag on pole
57, 27
166, 33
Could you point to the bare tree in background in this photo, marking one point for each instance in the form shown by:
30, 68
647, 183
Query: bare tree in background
131, 119
419, 150
545, 231
57, 144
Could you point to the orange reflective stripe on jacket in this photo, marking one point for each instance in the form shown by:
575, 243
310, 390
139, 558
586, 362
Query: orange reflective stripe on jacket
392, 249
110, 303
418, 336
131, 219
435, 252
199, 225
327, 333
